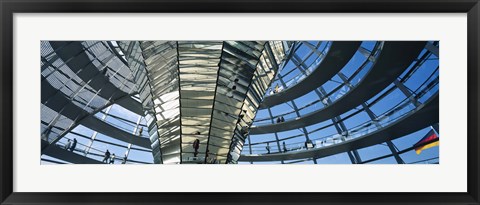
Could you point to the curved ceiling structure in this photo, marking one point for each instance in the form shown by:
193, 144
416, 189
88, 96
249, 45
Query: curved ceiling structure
394, 58
229, 102
338, 55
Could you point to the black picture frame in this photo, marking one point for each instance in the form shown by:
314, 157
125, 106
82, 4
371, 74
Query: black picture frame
9, 7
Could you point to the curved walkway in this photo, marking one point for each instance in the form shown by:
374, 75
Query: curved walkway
425, 115
337, 57
65, 155
77, 60
394, 59
72, 111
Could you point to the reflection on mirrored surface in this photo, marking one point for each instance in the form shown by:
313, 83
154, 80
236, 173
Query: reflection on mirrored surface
239, 102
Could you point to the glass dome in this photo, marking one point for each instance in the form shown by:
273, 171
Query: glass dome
239, 102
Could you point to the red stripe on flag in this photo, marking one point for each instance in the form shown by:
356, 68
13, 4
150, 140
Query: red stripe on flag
430, 137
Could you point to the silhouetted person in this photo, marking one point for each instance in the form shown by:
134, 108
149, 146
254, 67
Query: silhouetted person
240, 117
282, 119
279, 120
244, 131
208, 160
196, 145
284, 147
73, 145
67, 146
268, 148
124, 160
107, 156
112, 159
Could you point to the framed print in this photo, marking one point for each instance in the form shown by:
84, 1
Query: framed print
239, 102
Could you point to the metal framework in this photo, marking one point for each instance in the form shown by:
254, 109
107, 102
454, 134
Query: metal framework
197, 101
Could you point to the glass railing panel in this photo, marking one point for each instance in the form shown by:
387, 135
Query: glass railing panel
402, 109
336, 91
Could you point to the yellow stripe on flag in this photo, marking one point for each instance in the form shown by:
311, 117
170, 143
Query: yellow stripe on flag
424, 147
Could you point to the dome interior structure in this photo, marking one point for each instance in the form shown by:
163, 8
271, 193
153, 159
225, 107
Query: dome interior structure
239, 102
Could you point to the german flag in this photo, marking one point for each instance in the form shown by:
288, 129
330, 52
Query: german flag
430, 140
